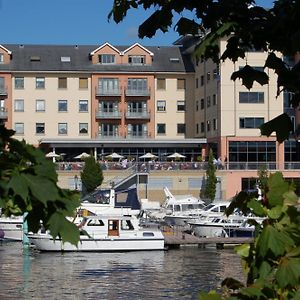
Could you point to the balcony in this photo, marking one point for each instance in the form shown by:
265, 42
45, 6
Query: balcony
109, 135
137, 114
137, 92
104, 92
3, 113
3, 91
107, 114
138, 135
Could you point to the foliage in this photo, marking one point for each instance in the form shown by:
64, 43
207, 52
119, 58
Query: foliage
245, 25
272, 261
28, 183
91, 175
211, 182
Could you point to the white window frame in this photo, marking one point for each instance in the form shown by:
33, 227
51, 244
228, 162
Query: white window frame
19, 128
20, 107
161, 105
40, 103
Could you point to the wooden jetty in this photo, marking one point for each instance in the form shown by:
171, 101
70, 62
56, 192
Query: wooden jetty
175, 239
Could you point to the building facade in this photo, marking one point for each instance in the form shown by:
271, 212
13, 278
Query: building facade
135, 99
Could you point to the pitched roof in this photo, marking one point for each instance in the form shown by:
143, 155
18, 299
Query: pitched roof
47, 58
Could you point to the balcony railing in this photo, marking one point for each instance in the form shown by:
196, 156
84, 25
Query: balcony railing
138, 135
3, 113
137, 114
137, 92
109, 135
108, 92
106, 114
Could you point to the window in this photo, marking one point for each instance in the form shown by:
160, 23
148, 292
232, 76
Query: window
215, 124
83, 128
208, 101
197, 105
40, 105
136, 59
1, 57
83, 105
161, 83
180, 84
62, 82
180, 128
107, 58
19, 128
109, 86
19, 105
214, 99
137, 84
202, 103
83, 83
181, 105
202, 127
251, 97
208, 76
208, 125
39, 128
216, 74
161, 128
40, 82
251, 122
19, 82
62, 128
161, 105
62, 105
197, 128
65, 59
202, 80
197, 83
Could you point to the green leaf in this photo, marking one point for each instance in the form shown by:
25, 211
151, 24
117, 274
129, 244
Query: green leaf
18, 184
256, 207
243, 250
282, 125
252, 292
277, 188
60, 226
290, 198
274, 241
264, 270
275, 212
41, 188
249, 75
288, 272
212, 295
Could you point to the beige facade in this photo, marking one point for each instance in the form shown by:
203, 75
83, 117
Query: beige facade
58, 108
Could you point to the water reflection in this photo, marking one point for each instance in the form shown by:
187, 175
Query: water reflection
176, 274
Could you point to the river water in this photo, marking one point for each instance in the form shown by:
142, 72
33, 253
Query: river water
174, 274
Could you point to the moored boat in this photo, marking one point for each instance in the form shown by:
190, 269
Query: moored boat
105, 233
12, 228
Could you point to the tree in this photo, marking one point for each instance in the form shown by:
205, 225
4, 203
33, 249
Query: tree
211, 181
272, 261
91, 175
246, 25
28, 183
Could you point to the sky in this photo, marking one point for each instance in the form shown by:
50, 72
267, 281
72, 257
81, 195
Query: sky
75, 22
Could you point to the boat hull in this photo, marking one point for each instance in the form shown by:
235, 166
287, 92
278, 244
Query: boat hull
208, 230
12, 228
46, 243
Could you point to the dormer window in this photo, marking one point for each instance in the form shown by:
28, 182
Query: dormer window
136, 59
65, 59
1, 58
107, 59
35, 58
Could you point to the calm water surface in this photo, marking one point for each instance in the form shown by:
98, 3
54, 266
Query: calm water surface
174, 274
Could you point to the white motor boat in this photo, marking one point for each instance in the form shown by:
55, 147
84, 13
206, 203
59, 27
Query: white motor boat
215, 209
12, 228
177, 205
215, 226
105, 233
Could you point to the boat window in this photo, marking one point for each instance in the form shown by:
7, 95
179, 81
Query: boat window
102, 198
95, 222
176, 207
126, 225
208, 207
216, 209
148, 234
222, 208
184, 207
191, 206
